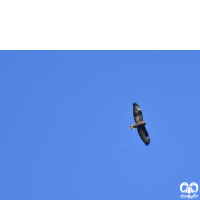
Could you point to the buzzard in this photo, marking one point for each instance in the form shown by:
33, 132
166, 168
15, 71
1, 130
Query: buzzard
140, 124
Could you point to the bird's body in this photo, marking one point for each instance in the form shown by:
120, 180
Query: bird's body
140, 124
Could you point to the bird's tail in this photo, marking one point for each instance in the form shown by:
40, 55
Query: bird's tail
131, 127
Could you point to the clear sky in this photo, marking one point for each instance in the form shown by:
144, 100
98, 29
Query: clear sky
64, 124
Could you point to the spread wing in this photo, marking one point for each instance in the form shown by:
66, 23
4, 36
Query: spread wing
143, 134
137, 113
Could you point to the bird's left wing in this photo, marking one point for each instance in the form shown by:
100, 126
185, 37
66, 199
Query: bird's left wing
143, 134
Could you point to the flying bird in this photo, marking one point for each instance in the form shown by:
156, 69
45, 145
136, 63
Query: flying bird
140, 124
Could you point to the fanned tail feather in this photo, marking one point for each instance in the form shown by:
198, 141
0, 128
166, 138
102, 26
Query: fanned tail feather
131, 127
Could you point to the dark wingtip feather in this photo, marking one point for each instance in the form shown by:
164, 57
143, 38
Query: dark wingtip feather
135, 104
147, 144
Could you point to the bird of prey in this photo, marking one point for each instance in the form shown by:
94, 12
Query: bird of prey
140, 124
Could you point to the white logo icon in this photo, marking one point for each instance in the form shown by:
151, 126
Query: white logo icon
192, 188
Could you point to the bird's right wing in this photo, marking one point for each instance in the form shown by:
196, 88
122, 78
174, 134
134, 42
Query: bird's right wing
137, 113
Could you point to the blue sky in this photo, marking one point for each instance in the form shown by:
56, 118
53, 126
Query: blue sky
65, 119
